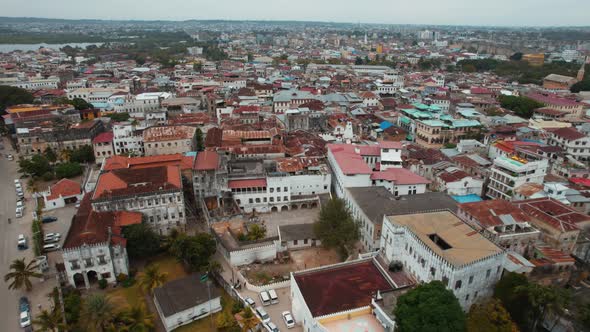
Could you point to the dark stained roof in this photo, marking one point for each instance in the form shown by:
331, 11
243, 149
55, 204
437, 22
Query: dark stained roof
297, 232
343, 287
569, 133
377, 202
125, 181
181, 294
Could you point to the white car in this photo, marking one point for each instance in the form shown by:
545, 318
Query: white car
51, 247
288, 318
52, 237
249, 301
10, 157
271, 327
25, 319
16, 182
19, 212
20, 204
22, 242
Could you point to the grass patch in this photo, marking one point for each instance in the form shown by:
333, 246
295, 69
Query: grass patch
201, 325
169, 265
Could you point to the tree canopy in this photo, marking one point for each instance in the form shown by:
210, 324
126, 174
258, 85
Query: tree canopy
336, 228
142, 241
429, 308
521, 106
83, 154
489, 316
10, 95
194, 251
118, 117
68, 170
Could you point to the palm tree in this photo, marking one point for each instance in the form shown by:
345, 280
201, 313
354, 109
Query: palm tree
249, 320
137, 319
98, 313
49, 320
21, 274
152, 278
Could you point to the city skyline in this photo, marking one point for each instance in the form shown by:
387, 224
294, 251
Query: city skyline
455, 12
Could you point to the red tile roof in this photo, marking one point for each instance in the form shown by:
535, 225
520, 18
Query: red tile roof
247, 183
177, 159
64, 188
400, 176
125, 181
488, 213
206, 161
92, 227
348, 160
341, 288
569, 133
453, 176
554, 213
105, 137
553, 99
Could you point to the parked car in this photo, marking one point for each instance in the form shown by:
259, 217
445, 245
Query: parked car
22, 242
51, 247
262, 314
250, 301
288, 318
52, 238
48, 219
274, 298
271, 327
16, 181
19, 212
25, 312
264, 298
20, 204
10, 157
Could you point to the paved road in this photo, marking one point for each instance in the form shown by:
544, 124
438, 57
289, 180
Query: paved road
8, 250
8, 236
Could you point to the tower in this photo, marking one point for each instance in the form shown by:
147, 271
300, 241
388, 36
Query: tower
582, 71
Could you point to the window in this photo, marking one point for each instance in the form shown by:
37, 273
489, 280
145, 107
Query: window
285, 189
458, 284
488, 272
278, 189
470, 280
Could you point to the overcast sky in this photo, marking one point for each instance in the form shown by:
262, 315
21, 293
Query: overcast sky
454, 12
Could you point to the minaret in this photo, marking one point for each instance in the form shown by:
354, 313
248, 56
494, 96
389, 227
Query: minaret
366, 42
582, 71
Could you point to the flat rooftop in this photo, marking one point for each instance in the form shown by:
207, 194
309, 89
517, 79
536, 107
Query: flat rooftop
341, 287
364, 323
448, 236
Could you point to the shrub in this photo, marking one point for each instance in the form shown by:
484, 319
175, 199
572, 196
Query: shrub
237, 306
47, 176
102, 283
37, 230
122, 277
128, 282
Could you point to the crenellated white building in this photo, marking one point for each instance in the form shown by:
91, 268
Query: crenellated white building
439, 246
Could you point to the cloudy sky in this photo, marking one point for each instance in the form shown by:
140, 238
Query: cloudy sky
453, 12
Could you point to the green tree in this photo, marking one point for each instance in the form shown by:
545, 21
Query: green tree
256, 232
199, 140
98, 313
516, 56
83, 154
429, 307
118, 117
198, 66
515, 302
581, 86
137, 319
249, 320
72, 306
584, 315
81, 104
521, 106
142, 241
10, 96
49, 321
152, 278
50, 155
36, 166
194, 251
336, 228
68, 170
489, 316
546, 302
21, 273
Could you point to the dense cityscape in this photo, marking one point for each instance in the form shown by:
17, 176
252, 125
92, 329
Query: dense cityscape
224, 175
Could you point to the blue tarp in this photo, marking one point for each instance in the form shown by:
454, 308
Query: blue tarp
385, 124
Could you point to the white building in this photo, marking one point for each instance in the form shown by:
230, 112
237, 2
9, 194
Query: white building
65, 191
169, 140
127, 139
102, 145
573, 142
183, 301
156, 192
93, 95
94, 248
439, 246
509, 173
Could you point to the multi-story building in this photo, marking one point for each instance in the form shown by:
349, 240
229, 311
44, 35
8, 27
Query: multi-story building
94, 247
128, 139
436, 133
502, 222
284, 100
556, 102
368, 205
573, 142
102, 145
94, 95
156, 192
509, 173
169, 140
439, 246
